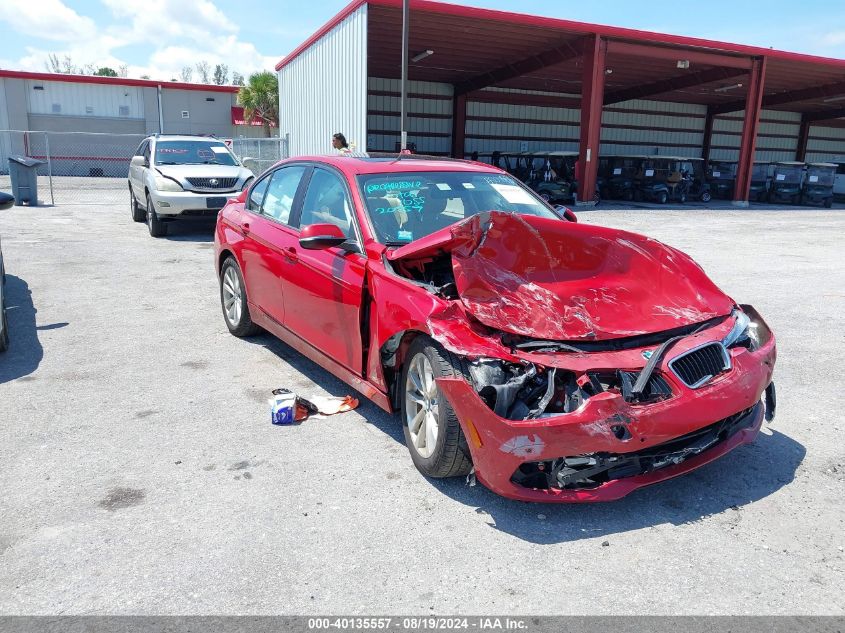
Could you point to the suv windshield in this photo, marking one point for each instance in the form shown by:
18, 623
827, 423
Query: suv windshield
193, 153
407, 206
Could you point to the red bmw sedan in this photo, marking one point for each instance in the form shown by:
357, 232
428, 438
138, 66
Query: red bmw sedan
556, 361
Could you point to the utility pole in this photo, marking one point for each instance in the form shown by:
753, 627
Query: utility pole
403, 117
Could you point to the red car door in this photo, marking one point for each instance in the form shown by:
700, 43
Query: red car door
323, 288
267, 235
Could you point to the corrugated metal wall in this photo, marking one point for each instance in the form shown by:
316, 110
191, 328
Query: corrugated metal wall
653, 127
777, 136
826, 144
81, 99
429, 115
324, 90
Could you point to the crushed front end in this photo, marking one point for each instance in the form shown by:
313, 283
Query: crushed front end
572, 425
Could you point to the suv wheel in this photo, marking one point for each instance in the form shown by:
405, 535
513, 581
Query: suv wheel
154, 223
138, 214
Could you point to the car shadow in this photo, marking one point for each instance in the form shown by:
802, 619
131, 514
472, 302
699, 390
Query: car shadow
191, 230
25, 351
743, 476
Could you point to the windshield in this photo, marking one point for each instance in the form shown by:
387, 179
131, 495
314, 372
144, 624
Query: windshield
407, 206
822, 176
193, 153
788, 173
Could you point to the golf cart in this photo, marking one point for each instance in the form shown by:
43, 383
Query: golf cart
786, 182
760, 183
663, 180
550, 179
566, 165
697, 187
818, 184
721, 176
620, 175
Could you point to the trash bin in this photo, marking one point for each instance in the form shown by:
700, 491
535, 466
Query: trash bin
24, 173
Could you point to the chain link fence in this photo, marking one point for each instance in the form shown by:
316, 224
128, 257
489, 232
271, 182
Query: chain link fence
258, 154
92, 168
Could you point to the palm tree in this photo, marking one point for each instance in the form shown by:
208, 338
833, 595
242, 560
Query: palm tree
260, 99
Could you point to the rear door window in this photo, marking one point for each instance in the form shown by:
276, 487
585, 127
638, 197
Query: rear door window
281, 192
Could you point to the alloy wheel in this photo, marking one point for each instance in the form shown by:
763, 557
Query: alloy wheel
232, 296
422, 409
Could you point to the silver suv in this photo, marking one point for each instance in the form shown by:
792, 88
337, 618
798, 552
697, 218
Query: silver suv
174, 177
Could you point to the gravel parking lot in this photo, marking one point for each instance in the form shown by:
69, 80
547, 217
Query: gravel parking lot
141, 474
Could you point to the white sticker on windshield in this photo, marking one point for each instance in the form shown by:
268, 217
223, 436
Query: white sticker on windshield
717, 174
814, 178
468, 185
649, 173
443, 186
514, 194
219, 149
617, 171
780, 177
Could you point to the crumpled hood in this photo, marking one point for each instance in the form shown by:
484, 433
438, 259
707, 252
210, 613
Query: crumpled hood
550, 279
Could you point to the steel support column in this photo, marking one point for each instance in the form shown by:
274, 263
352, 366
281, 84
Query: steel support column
459, 125
753, 105
708, 135
803, 140
592, 98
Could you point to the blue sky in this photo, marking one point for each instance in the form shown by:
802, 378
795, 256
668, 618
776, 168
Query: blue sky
160, 37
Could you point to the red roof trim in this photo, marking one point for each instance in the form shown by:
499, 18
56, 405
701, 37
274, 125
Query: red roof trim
115, 81
564, 25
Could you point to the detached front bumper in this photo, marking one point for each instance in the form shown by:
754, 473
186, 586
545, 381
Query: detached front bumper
189, 204
500, 446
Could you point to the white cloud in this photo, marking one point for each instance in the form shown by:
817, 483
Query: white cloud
49, 19
178, 33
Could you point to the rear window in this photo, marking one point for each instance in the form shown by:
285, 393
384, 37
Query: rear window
404, 207
193, 153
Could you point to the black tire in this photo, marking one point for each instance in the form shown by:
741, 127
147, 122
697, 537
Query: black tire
795, 199
138, 214
663, 197
243, 325
4, 337
155, 225
546, 197
828, 203
597, 197
706, 197
451, 456
636, 195
682, 198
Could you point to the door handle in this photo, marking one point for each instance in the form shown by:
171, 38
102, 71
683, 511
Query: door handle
245, 227
291, 255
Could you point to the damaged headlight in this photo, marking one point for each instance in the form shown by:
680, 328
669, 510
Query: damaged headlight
748, 330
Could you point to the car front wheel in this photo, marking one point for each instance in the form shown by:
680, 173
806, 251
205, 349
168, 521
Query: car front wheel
138, 214
156, 226
432, 431
233, 300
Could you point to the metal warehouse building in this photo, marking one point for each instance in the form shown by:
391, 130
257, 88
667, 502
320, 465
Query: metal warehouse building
96, 122
488, 80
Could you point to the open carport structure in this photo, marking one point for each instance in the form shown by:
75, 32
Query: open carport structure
483, 80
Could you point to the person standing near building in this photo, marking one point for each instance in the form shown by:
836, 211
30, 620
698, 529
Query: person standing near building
340, 144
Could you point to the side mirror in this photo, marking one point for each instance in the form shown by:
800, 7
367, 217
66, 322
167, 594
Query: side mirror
568, 213
316, 237
241, 197
7, 201
139, 161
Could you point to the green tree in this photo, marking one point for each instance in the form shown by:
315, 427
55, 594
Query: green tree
237, 79
221, 74
105, 71
260, 98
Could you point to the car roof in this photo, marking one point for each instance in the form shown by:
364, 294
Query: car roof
184, 137
361, 164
